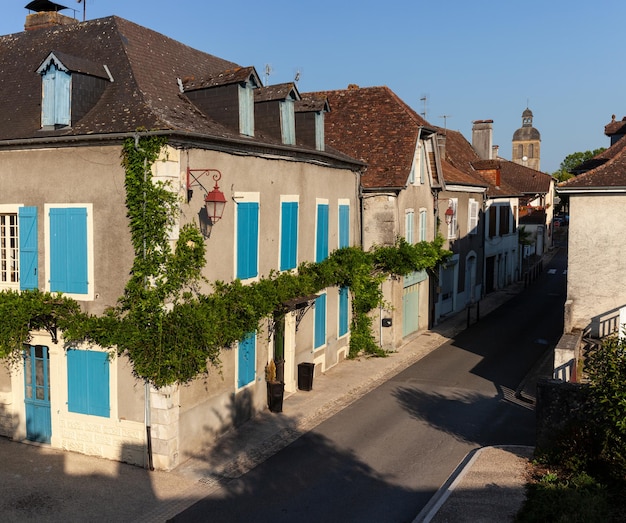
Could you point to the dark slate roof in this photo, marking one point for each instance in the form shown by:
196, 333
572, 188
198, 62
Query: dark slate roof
374, 125
610, 173
147, 69
312, 104
228, 77
80, 65
276, 92
144, 64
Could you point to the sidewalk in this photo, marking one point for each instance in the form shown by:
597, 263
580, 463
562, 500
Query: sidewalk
43, 484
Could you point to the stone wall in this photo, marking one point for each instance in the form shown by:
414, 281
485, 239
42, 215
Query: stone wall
560, 406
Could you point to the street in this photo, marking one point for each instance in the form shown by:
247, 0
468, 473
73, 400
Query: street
383, 457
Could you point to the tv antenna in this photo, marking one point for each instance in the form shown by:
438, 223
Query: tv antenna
84, 2
268, 72
445, 120
424, 99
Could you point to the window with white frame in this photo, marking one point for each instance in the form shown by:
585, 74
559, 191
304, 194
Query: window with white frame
423, 225
88, 382
69, 247
344, 223
247, 236
288, 232
409, 220
321, 231
452, 226
9, 250
472, 219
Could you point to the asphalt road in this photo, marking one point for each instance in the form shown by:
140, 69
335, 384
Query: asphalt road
382, 458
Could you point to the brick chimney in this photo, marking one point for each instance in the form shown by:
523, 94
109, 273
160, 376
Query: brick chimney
47, 19
46, 15
482, 138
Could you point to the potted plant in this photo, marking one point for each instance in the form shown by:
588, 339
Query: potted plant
275, 388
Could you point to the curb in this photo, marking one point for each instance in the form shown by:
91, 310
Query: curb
440, 497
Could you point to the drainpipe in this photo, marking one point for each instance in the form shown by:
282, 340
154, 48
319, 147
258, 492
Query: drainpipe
147, 385
148, 422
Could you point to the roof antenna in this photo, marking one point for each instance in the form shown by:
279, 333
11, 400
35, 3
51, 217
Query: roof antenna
84, 2
268, 72
424, 99
445, 120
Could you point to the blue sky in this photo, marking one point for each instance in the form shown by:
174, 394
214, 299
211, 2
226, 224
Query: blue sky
472, 60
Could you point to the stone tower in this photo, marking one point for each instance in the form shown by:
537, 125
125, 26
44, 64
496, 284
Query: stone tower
527, 143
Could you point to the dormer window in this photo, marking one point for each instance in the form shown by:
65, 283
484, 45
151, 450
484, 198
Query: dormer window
70, 87
56, 83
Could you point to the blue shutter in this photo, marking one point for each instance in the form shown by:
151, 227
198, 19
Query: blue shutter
321, 243
98, 383
47, 105
343, 310
289, 236
88, 382
29, 258
62, 98
320, 321
247, 239
68, 250
246, 360
344, 226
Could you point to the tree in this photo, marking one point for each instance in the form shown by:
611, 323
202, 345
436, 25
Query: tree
572, 161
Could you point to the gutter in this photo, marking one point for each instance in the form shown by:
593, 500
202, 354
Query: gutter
230, 145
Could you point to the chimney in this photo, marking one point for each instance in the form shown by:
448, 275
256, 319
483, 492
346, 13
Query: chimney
46, 15
482, 138
494, 152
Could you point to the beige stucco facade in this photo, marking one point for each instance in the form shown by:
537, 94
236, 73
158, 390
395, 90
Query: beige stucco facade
596, 271
183, 418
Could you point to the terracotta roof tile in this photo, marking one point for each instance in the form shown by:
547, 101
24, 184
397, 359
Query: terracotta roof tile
610, 173
372, 124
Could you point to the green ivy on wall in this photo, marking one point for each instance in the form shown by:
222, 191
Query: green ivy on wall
166, 327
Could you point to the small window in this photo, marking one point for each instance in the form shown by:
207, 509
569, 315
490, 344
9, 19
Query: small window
9, 250
452, 226
423, 225
409, 219
472, 222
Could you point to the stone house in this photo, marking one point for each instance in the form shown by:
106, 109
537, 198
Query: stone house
596, 285
71, 94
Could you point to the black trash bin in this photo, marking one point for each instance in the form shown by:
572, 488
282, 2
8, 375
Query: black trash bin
305, 375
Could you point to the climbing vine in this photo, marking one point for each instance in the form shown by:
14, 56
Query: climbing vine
166, 327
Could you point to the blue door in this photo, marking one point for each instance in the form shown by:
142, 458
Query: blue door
37, 393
